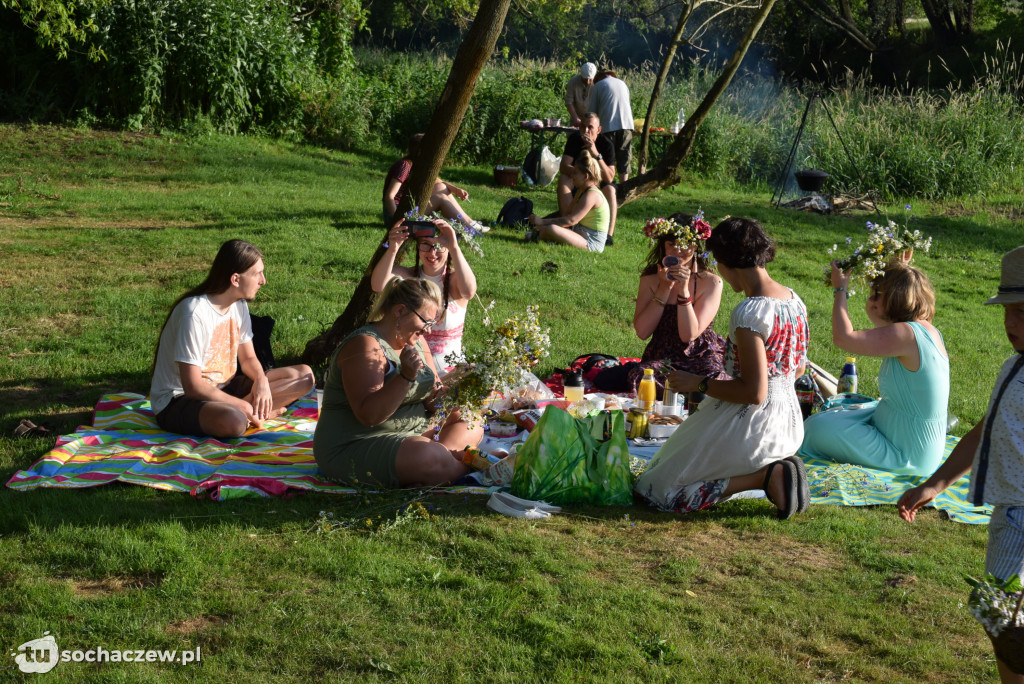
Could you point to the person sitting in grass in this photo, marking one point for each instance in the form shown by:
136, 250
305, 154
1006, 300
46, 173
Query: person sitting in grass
198, 387
439, 259
993, 452
444, 197
374, 426
905, 431
678, 298
585, 225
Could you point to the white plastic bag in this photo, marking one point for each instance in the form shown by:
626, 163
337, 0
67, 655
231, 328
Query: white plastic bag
548, 170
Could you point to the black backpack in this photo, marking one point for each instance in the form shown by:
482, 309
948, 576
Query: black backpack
515, 212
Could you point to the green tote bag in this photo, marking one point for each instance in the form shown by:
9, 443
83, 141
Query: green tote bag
569, 460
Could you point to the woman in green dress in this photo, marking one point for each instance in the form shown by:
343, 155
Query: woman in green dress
374, 427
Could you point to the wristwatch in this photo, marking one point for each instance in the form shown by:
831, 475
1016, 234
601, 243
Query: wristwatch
599, 157
702, 387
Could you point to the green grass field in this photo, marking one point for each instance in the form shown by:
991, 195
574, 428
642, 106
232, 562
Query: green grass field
100, 232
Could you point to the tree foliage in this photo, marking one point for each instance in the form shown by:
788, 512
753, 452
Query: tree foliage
59, 24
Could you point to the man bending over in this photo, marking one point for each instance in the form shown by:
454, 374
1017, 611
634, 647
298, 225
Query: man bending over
198, 388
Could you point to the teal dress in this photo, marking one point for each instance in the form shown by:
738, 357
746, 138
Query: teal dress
348, 451
904, 432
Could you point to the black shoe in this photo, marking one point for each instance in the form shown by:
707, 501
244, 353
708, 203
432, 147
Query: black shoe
609, 241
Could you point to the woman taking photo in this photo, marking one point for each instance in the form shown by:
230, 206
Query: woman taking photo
676, 304
905, 431
586, 224
748, 426
439, 260
374, 427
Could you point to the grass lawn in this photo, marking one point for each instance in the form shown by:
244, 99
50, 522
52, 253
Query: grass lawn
100, 232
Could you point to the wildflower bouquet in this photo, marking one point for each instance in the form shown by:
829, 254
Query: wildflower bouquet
884, 244
466, 234
997, 604
511, 348
693, 234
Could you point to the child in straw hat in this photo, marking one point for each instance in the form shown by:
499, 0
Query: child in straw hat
993, 451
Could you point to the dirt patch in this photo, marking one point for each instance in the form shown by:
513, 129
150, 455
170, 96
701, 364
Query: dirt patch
195, 625
113, 585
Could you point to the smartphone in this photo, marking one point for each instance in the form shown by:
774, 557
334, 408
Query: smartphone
669, 261
421, 229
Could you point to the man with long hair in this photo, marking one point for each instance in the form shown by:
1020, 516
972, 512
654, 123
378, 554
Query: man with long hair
206, 377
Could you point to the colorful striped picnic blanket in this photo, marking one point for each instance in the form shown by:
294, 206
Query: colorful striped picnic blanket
125, 444
850, 485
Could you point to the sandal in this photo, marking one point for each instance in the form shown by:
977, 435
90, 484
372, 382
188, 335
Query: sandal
803, 492
790, 478
26, 428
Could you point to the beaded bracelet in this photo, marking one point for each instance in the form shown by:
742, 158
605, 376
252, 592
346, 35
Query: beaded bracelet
837, 290
688, 300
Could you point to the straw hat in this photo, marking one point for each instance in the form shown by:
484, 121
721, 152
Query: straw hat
1011, 283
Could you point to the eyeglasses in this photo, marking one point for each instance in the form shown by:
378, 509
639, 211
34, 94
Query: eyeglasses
875, 293
431, 247
427, 325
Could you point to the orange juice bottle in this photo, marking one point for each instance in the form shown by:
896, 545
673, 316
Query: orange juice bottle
647, 392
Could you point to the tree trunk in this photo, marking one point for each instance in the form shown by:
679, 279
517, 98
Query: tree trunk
670, 53
666, 173
475, 50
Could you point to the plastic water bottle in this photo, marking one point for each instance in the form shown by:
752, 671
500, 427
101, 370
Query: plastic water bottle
848, 378
647, 392
681, 119
805, 393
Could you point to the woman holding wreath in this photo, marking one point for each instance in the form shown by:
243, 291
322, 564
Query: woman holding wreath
375, 422
905, 431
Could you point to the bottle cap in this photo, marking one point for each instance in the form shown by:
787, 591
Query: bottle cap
850, 359
573, 379
648, 371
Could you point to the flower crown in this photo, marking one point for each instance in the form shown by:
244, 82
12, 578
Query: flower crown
693, 234
464, 232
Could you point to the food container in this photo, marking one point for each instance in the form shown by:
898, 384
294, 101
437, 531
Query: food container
661, 431
499, 428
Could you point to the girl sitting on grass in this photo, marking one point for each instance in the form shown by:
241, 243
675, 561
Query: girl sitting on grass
586, 224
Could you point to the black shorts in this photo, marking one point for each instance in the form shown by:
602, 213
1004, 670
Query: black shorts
181, 416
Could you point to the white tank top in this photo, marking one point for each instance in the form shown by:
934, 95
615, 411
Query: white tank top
445, 337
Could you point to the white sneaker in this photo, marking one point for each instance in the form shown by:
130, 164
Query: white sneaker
531, 513
479, 227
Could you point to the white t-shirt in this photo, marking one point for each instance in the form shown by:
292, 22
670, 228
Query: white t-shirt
1004, 480
609, 99
196, 333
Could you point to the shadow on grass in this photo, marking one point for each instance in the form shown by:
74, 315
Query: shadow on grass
125, 506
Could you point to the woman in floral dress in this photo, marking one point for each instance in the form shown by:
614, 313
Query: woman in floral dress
748, 429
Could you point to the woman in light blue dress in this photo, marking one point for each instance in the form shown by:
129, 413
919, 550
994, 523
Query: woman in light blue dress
904, 432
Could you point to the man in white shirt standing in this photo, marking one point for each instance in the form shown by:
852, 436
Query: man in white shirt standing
610, 100
198, 387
